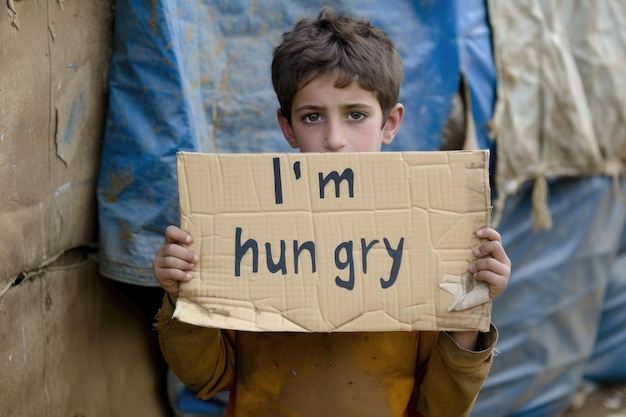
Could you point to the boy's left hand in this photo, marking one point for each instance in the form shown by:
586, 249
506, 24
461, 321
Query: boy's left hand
493, 266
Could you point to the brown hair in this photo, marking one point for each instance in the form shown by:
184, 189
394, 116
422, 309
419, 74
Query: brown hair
354, 48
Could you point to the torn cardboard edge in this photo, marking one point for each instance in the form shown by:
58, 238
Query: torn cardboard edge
313, 242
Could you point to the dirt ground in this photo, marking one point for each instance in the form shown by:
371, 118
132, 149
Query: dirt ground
607, 401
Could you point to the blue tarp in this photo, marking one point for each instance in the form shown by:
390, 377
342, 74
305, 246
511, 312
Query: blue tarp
549, 315
195, 77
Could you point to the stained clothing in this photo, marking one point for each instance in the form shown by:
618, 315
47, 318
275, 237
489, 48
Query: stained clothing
381, 374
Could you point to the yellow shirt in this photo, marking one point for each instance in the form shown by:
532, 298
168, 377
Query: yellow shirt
380, 374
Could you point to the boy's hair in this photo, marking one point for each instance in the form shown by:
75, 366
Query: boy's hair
354, 48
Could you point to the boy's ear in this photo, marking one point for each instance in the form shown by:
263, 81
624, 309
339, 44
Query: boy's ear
392, 125
285, 126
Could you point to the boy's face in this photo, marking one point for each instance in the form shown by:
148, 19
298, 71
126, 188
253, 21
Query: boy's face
325, 118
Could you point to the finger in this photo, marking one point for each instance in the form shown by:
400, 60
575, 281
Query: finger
490, 264
494, 273
176, 251
489, 233
492, 249
171, 262
497, 283
174, 234
173, 275
170, 279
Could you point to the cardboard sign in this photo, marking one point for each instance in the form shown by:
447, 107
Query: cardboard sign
334, 242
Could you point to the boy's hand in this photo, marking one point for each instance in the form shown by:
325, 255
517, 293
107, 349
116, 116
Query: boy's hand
493, 265
173, 261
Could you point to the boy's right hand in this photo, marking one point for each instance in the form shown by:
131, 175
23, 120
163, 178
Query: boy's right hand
173, 261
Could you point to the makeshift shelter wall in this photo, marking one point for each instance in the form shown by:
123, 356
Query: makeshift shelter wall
73, 344
560, 129
70, 343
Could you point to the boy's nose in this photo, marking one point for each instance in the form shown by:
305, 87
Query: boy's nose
334, 139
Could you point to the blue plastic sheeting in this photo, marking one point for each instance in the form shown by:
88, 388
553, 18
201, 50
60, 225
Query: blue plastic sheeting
549, 315
608, 364
195, 77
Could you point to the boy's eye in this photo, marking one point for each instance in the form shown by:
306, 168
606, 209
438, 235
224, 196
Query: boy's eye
356, 115
311, 118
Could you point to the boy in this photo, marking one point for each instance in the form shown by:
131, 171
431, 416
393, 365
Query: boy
337, 80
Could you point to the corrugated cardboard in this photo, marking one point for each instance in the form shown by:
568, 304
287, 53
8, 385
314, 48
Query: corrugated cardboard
334, 242
73, 345
54, 59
